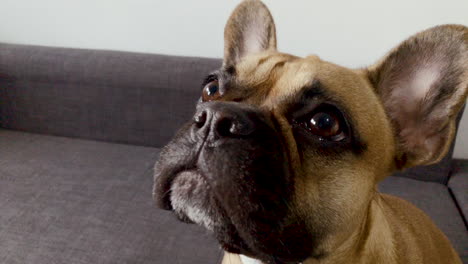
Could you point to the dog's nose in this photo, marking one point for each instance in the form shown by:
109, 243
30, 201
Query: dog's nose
224, 120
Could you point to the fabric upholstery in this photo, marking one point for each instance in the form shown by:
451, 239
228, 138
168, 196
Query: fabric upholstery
103, 95
435, 200
80, 202
458, 184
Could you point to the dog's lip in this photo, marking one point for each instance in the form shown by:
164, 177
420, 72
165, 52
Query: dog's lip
164, 201
163, 196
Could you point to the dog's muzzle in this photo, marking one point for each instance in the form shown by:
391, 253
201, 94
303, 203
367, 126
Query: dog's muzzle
227, 170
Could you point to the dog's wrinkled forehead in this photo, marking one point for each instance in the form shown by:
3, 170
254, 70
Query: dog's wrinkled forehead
275, 75
273, 80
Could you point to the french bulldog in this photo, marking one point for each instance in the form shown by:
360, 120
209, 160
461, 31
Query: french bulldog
283, 155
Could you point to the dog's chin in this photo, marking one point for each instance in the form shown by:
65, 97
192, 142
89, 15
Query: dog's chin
190, 199
193, 201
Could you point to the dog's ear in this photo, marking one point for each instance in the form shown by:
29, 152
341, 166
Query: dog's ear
250, 29
423, 84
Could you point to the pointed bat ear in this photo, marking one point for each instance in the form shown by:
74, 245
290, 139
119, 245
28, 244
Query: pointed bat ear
423, 84
250, 29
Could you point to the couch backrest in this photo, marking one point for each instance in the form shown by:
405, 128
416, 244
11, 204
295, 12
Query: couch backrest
102, 95
113, 96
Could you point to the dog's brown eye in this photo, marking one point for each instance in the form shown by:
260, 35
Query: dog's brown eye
325, 125
211, 91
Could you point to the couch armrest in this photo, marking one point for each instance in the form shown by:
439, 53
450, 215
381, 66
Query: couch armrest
458, 184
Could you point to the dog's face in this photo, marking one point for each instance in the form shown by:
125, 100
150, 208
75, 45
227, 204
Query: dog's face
283, 154
282, 148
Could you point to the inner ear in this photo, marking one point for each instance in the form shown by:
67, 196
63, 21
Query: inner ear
423, 84
250, 29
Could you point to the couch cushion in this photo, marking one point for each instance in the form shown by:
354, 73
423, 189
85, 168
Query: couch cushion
104, 95
458, 184
435, 200
75, 201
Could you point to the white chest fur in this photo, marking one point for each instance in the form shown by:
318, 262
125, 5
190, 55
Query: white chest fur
247, 260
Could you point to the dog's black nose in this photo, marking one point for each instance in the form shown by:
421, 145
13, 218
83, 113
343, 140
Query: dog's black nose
224, 119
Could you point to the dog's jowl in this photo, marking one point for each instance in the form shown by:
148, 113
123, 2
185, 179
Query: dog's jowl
283, 154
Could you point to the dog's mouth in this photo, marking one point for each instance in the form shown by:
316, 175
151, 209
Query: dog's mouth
239, 190
256, 228
190, 196
164, 196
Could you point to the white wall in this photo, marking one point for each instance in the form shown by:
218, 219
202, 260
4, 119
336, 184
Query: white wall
350, 33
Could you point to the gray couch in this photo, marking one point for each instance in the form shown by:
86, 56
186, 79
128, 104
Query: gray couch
79, 133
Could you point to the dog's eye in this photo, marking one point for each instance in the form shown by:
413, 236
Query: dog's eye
211, 91
326, 124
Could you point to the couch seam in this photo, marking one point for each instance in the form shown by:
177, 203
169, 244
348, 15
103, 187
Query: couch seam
457, 205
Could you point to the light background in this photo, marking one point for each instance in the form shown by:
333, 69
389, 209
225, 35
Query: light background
351, 33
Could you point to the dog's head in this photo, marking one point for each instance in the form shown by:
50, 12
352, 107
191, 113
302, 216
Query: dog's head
283, 153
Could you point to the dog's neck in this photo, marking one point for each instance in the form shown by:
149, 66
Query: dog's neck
351, 250
374, 225
360, 246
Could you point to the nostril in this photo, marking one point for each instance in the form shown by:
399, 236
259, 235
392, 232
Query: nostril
200, 119
224, 127
217, 120
238, 129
